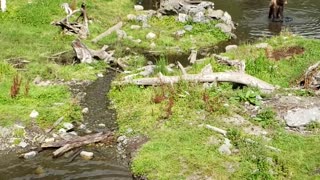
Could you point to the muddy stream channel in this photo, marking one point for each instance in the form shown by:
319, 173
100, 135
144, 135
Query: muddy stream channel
303, 18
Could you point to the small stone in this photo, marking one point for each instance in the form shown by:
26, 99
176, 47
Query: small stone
85, 110
100, 75
135, 27
151, 35
188, 27
131, 17
262, 45
224, 149
153, 45
138, 8
68, 126
182, 18
62, 131
180, 33
121, 138
199, 17
129, 130
86, 155
101, 125
49, 140
22, 144
138, 41
39, 170
54, 135
82, 126
34, 114
121, 35
88, 131
30, 155
73, 133
231, 48
216, 14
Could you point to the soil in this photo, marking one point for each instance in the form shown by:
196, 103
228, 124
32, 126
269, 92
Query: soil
285, 53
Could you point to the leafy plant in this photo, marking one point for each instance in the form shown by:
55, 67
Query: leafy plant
248, 96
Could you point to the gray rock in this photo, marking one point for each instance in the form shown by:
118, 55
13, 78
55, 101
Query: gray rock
145, 25
262, 45
188, 27
301, 117
101, 125
68, 126
224, 27
86, 155
100, 75
30, 155
49, 140
224, 149
153, 45
138, 41
231, 48
85, 110
180, 33
135, 27
138, 8
182, 17
22, 144
151, 35
215, 14
34, 114
142, 18
121, 34
62, 131
131, 17
199, 18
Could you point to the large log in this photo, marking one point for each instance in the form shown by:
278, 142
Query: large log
67, 145
235, 77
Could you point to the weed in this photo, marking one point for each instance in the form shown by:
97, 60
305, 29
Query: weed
248, 95
266, 118
15, 87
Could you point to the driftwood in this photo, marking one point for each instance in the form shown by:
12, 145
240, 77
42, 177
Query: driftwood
310, 79
235, 77
86, 55
66, 145
82, 29
193, 56
241, 66
109, 31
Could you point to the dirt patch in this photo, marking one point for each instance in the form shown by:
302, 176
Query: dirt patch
64, 58
284, 53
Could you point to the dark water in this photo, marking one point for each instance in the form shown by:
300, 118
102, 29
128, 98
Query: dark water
253, 22
105, 165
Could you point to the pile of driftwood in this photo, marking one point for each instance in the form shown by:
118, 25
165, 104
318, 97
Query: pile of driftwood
74, 27
79, 141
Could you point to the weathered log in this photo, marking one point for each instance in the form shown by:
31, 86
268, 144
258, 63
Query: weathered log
109, 31
235, 77
66, 145
82, 52
184, 72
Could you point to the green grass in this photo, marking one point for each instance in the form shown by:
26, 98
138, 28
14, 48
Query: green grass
179, 147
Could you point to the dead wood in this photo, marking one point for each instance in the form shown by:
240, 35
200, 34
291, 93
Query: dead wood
184, 72
66, 145
193, 56
81, 29
109, 31
234, 77
55, 124
86, 55
240, 65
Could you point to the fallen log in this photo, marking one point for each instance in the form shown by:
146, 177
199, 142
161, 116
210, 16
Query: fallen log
109, 31
66, 145
234, 77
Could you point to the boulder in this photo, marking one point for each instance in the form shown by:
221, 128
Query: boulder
301, 117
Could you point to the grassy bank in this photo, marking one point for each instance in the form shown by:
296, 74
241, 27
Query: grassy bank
174, 119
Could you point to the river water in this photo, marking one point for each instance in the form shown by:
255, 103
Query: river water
251, 16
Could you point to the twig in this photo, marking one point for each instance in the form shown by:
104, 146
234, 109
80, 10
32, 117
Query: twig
218, 130
184, 72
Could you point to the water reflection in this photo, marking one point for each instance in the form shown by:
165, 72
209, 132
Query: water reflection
252, 17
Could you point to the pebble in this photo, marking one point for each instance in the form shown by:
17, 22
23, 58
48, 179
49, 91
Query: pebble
101, 125
22, 144
30, 155
151, 35
100, 75
138, 8
131, 17
49, 140
231, 48
86, 155
62, 131
34, 114
85, 110
68, 126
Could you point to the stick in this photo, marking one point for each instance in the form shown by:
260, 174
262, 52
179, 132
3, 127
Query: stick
184, 72
218, 130
109, 31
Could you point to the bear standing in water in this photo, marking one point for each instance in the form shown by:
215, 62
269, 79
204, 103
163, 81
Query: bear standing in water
276, 9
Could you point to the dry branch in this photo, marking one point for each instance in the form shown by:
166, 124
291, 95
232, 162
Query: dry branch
237, 63
67, 145
234, 77
193, 56
109, 31
218, 130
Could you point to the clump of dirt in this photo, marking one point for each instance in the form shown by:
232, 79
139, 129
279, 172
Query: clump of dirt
284, 53
64, 58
